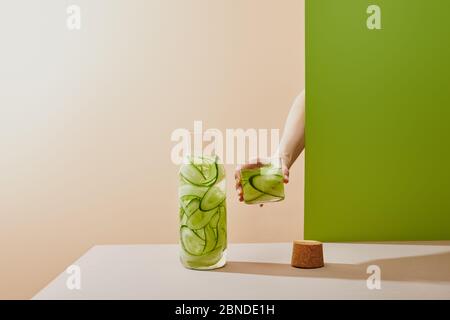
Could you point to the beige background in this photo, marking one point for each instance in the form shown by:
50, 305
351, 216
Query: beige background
86, 118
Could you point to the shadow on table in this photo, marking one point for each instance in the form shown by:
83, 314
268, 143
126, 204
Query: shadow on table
412, 243
426, 268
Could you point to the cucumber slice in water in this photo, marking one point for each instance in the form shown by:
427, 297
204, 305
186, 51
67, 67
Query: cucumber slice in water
205, 260
199, 219
191, 242
181, 213
202, 175
221, 229
183, 219
246, 174
209, 171
265, 198
264, 184
268, 184
221, 238
191, 206
193, 191
214, 220
210, 238
220, 173
213, 197
192, 174
200, 233
250, 193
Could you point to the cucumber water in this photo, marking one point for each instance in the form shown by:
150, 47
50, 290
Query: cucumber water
263, 184
203, 213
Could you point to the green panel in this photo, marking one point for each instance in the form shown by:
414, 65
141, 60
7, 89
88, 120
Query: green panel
378, 121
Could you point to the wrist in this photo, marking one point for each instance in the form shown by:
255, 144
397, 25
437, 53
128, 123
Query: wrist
286, 158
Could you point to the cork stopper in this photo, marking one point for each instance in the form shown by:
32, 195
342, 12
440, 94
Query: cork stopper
307, 254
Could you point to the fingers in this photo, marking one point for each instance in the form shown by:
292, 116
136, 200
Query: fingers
286, 176
285, 173
255, 163
252, 165
237, 173
238, 186
240, 192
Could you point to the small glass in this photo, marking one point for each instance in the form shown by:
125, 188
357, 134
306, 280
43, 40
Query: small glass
262, 183
203, 213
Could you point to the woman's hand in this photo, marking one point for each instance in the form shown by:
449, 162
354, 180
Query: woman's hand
291, 145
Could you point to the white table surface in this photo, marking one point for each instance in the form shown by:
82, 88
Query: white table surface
259, 271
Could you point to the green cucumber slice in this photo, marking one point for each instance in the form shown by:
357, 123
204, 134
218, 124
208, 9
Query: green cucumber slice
200, 170
202, 175
191, 206
214, 220
210, 238
192, 174
209, 170
220, 173
268, 184
213, 197
199, 219
183, 220
190, 190
206, 260
264, 198
200, 233
187, 198
191, 242
246, 174
221, 238
221, 229
222, 223
250, 193
181, 213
